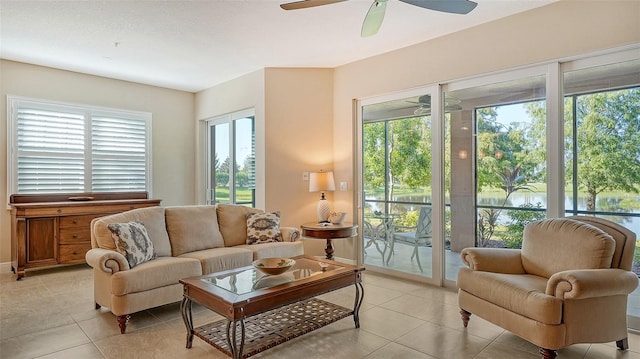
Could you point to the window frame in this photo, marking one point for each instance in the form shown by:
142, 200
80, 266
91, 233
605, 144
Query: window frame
231, 120
87, 111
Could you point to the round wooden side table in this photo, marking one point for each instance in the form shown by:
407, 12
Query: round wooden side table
329, 231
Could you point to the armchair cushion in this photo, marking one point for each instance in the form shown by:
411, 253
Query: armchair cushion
519, 293
559, 244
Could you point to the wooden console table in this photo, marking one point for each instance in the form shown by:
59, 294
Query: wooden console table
48, 230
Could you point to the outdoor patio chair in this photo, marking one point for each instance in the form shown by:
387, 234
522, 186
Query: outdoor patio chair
418, 236
374, 235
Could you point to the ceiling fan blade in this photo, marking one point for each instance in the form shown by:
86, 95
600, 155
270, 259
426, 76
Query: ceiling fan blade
451, 6
307, 3
373, 20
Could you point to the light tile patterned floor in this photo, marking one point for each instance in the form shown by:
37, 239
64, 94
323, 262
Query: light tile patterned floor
401, 261
49, 314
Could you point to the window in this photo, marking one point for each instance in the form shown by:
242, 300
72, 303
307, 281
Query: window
231, 159
56, 148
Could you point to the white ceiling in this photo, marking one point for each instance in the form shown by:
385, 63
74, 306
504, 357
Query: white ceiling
194, 45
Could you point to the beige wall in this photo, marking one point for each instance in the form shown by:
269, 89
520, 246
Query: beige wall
173, 131
246, 92
299, 138
294, 113
556, 31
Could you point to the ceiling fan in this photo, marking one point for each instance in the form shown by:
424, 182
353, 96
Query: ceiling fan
424, 105
374, 17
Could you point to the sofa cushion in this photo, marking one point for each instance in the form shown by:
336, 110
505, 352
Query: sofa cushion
263, 227
192, 228
523, 294
555, 245
219, 259
159, 272
232, 220
275, 249
132, 242
151, 217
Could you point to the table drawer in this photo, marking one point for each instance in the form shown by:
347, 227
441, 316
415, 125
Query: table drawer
74, 235
73, 253
77, 221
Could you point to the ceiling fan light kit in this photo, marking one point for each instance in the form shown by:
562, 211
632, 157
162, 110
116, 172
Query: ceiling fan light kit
375, 15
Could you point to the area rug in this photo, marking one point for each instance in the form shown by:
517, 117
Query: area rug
268, 329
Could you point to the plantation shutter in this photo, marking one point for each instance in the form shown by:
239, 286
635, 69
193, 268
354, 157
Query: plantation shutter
63, 148
119, 154
50, 151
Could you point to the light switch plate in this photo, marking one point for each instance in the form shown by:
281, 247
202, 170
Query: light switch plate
343, 186
305, 176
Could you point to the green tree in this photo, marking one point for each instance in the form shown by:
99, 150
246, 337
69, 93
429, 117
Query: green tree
500, 148
373, 143
608, 140
404, 145
222, 173
410, 152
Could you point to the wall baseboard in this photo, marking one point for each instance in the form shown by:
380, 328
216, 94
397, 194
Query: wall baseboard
5, 267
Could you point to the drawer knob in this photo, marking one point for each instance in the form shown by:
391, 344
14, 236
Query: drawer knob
75, 221
59, 210
75, 236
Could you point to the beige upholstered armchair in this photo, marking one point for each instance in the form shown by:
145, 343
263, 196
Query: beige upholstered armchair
568, 284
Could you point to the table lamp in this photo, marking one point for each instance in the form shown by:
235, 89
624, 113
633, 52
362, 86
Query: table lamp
321, 182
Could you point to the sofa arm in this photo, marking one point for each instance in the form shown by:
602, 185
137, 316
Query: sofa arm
290, 234
106, 260
497, 260
590, 283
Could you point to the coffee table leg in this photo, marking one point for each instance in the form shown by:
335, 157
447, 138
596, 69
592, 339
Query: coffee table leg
358, 303
185, 309
232, 339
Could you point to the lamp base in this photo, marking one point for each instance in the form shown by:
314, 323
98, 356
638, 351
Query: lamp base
323, 211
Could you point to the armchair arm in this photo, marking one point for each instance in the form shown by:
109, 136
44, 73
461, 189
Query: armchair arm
497, 260
590, 283
290, 234
106, 260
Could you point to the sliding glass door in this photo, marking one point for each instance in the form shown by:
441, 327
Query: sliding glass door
471, 162
397, 213
496, 178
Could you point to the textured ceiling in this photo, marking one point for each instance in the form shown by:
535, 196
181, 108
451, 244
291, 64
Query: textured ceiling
194, 45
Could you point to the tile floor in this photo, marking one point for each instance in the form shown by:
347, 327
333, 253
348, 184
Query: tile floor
50, 314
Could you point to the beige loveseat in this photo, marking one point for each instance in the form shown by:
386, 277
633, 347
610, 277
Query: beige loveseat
569, 284
188, 241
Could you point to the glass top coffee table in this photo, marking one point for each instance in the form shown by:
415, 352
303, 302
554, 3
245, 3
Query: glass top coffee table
262, 311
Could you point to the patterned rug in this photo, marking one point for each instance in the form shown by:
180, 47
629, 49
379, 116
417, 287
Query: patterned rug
268, 329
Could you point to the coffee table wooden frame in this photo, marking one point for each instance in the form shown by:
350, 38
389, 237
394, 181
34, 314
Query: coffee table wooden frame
236, 307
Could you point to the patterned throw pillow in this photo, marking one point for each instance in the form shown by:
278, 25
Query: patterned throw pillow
263, 227
132, 241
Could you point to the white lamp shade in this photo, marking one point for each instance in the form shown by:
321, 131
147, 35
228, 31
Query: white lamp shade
321, 181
